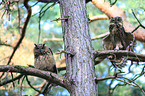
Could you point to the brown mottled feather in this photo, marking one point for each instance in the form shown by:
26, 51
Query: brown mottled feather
44, 59
118, 39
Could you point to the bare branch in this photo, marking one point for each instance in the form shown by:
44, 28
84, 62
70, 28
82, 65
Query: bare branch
52, 77
6, 45
47, 1
23, 30
31, 85
130, 82
100, 36
52, 39
60, 39
12, 80
98, 17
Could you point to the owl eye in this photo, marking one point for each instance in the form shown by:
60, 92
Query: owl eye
36, 48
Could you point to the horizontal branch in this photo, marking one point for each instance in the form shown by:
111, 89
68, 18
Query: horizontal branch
98, 17
47, 1
130, 55
61, 39
51, 77
6, 45
100, 36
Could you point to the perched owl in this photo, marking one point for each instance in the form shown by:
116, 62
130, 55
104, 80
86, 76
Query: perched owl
118, 39
44, 59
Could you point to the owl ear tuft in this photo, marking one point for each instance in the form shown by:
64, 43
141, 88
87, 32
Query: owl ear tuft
35, 45
43, 45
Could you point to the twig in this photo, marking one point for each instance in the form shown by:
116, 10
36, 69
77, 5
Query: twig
47, 1
6, 45
117, 78
11, 80
112, 3
19, 18
61, 39
100, 36
137, 19
98, 17
41, 14
57, 19
23, 30
31, 85
135, 28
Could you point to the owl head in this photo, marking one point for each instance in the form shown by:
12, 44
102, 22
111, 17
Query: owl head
116, 21
40, 49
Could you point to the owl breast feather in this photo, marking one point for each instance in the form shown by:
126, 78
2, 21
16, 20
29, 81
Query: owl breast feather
44, 62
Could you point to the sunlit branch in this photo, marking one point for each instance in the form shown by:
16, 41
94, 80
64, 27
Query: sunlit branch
6, 45
61, 39
98, 17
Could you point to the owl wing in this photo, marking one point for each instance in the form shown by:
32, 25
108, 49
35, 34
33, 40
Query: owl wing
111, 26
55, 70
123, 38
107, 44
130, 39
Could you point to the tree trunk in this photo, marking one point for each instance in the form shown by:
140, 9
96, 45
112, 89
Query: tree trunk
77, 42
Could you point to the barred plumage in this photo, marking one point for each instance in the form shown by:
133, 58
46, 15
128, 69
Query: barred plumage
118, 39
44, 59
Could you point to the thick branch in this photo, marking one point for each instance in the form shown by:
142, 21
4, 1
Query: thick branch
52, 77
130, 55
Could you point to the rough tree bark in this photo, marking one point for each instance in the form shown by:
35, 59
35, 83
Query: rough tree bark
77, 42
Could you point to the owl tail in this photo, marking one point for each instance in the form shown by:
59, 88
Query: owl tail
119, 62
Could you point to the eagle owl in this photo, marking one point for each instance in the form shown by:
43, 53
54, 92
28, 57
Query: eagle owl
44, 59
118, 39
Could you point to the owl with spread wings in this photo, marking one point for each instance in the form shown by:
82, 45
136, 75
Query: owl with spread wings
118, 39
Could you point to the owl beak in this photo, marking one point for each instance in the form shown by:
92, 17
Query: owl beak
40, 51
115, 22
